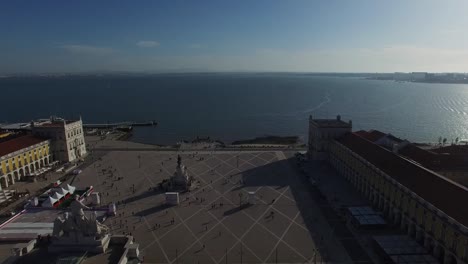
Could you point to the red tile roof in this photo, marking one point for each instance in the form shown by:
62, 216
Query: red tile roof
435, 161
424, 157
372, 135
60, 124
18, 143
435, 189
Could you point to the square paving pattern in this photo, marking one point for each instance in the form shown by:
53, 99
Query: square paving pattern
213, 223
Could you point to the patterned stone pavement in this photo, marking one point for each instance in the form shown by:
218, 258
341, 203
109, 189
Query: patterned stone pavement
212, 224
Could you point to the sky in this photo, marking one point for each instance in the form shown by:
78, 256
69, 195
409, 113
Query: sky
255, 35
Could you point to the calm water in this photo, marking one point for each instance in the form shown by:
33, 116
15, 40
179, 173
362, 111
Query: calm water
237, 106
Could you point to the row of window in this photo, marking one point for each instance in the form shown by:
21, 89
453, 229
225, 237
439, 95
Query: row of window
74, 132
76, 143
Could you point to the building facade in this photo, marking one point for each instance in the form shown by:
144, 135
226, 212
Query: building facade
427, 206
322, 132
67, 138
21, 156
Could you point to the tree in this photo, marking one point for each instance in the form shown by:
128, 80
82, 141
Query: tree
444, 141
456, 141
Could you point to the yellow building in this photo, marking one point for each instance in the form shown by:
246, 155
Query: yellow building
4, 135
22, 156
428, 207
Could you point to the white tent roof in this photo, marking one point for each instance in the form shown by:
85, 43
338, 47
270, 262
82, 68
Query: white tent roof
69, 188
60, 191
49, 202
57, 196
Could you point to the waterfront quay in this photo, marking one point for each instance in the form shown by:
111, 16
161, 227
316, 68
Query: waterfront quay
213, 223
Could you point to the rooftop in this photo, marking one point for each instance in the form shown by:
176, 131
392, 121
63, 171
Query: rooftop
436, 159
15, 126
31, 223
18, 143
371, 135
330, 122
54, 123
437, 190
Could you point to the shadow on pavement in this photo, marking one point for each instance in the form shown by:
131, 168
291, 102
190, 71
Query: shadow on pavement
153, 210
278, 175
236, 209
143, 196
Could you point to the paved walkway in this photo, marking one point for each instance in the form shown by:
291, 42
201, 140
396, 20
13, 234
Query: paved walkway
214, 223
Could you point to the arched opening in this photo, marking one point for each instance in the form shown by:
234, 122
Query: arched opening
439, 253
420, 236
430, 246
412, 230
37, 165
26, 170
21, 173
450, 259
396, 218
10, 179
16, 174
3, 182
404, 226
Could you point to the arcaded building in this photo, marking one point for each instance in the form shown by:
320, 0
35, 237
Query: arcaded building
426, 205
22, 156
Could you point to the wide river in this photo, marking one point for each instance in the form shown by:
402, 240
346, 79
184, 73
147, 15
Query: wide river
239, 106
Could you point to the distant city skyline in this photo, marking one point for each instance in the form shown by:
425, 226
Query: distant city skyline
254, 36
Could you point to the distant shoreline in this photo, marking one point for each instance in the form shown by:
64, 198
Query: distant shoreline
265, 141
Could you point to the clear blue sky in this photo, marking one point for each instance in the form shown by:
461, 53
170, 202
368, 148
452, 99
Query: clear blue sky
342, 36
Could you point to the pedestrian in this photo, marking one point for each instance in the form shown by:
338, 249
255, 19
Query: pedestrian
203, 246
206, 228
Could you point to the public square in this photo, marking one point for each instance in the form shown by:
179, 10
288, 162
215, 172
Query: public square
213, 223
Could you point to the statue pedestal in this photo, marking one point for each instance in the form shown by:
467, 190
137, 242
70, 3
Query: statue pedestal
180, 180
77, 243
